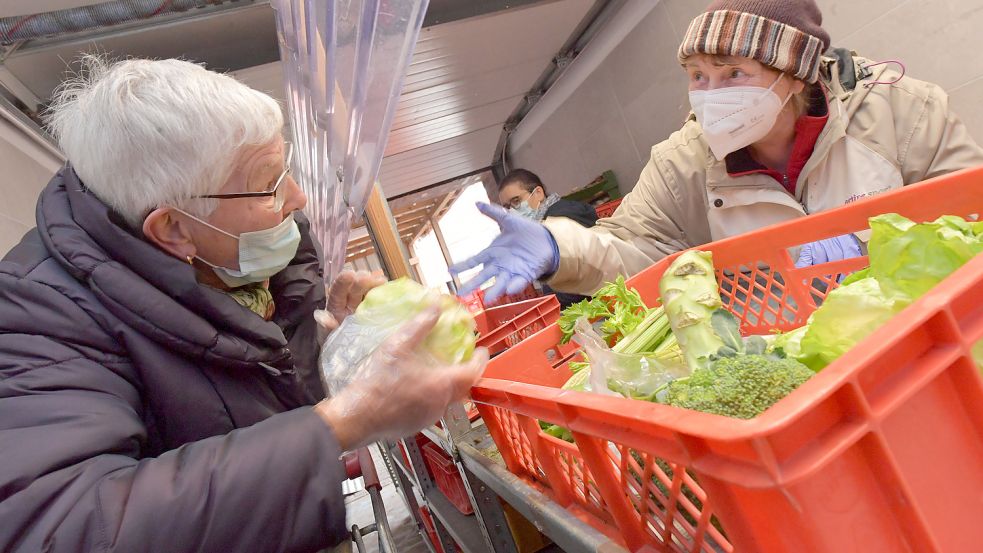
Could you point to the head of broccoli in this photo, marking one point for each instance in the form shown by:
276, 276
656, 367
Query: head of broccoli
741, 386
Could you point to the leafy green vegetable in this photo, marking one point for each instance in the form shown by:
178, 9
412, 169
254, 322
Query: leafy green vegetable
906, 260
623, 320
726, 327
452, 339
577, 366
854, 277
849, 314
647, 335
618, 292
690, 296
579, 381
620, 308
910, 259
557, 431
743, 386
790, 343
591, 309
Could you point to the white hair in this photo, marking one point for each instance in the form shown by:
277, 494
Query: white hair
143, 134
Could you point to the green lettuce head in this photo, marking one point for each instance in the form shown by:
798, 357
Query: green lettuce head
849, 314
906, 261
909, 259
452, 339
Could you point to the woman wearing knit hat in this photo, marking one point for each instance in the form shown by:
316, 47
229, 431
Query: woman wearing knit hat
781, 127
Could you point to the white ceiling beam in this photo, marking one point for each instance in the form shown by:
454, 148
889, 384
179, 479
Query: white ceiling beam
18, 89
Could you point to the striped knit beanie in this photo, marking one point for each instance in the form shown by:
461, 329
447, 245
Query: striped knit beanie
784, 34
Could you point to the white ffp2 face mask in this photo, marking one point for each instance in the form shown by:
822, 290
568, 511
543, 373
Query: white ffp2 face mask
262, 253
737, 116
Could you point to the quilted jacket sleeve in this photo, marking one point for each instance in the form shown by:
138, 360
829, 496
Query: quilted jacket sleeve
72, 477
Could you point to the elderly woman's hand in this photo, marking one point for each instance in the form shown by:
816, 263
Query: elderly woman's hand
398, 392
344, 295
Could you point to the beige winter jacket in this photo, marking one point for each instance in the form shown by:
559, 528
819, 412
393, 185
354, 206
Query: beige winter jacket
878, 138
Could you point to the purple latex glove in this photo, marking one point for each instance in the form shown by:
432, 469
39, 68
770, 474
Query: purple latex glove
517, 257
829, 249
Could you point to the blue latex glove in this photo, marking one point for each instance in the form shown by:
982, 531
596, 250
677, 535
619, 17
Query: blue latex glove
522, 253
829, 249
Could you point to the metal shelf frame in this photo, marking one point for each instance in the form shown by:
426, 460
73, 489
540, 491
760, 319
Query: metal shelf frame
486, 531
566, 530
488, 482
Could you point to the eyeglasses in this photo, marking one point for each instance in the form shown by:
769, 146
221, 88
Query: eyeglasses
275, 191
516, 201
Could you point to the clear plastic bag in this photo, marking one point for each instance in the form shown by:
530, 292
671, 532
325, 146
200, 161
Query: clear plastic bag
385, 310
345, 352
635, 376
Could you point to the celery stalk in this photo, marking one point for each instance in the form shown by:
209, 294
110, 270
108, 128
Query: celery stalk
647, 335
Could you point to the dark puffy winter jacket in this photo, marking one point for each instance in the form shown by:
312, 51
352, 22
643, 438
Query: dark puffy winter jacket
585, 214
141, 411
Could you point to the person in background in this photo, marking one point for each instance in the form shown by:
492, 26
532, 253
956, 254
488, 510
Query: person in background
159, 385
778, 130
523, 193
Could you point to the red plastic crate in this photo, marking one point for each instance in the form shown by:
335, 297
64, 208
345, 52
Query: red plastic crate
528, 293
502, 327
607, 209
430, 529
473, 302
880, 451
447, 477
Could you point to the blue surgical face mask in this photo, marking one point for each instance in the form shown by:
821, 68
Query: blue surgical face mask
262, 253
523, 210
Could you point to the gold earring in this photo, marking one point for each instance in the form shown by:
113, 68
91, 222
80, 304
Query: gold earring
190, 261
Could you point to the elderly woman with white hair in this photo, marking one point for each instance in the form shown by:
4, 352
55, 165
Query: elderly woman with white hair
158, 345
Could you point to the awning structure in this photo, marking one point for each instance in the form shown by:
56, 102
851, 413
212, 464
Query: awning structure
413, 215
474, 66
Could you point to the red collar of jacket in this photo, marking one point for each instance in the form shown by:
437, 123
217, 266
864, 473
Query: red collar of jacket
807, 130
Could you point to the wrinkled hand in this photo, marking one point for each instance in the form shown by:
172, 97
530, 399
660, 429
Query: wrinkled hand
396, 392
830, 249
517, 257
344, 295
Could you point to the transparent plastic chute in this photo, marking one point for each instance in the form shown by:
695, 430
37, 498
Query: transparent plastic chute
344, 63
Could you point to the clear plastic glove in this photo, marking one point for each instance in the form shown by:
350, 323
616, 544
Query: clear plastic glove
517, 257
829, 249
397, 392
343, 296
